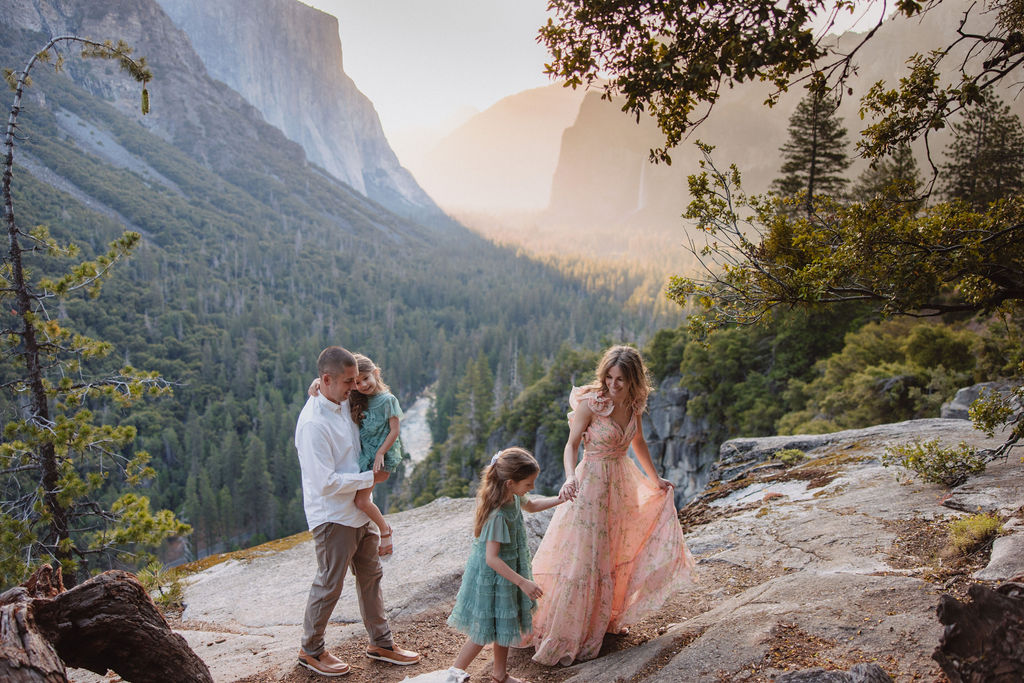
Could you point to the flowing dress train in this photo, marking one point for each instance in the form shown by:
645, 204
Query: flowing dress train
612, 556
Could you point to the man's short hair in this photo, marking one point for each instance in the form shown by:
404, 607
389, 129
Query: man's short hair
334, 360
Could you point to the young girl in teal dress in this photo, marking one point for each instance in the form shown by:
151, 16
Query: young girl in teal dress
497, 597
375, 409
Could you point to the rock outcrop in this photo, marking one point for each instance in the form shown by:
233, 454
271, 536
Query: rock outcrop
680, 445
959, 407
812, 566
286, 59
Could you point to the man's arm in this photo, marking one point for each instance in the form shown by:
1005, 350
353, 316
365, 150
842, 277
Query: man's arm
315, 459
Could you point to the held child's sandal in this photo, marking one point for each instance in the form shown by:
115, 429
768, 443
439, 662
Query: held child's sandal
386, 548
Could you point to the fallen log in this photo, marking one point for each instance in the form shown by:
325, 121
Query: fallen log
983, 641
106, 623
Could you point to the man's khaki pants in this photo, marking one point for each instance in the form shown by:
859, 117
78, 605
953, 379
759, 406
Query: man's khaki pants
337, 548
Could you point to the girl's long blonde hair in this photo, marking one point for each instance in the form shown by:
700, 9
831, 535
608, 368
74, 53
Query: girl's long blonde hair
629, 360
512, 464
358, 401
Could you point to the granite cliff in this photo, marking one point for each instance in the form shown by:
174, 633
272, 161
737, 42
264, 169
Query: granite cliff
286, 59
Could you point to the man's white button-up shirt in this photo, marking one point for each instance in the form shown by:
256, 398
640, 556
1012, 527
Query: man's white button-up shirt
327, 440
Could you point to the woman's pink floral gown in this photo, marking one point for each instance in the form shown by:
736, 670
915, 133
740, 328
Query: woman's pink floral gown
612, 556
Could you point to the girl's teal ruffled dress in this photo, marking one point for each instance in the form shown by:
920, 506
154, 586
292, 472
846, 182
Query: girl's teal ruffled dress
490, 608
379, 409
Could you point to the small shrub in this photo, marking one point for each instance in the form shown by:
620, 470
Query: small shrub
162, 585
789, 456
968, 534
934, 463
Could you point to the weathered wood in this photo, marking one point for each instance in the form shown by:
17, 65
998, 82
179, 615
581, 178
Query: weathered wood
983, 641
26, 656
107, 622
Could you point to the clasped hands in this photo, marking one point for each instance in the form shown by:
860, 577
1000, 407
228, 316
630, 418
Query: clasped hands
569, 490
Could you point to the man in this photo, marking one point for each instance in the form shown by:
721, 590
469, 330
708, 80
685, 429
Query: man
328, 444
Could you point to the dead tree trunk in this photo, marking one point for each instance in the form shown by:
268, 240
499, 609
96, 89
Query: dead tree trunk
107, 622
984, 639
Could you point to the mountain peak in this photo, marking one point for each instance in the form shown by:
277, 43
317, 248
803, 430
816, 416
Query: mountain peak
285, 58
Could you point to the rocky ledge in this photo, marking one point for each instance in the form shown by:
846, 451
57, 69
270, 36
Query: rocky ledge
833, 563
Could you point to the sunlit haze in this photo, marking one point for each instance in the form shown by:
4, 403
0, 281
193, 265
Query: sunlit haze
428, 66
424, 64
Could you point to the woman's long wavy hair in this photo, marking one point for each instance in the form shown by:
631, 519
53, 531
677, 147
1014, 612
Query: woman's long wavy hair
512, 464
357, 401
629, 360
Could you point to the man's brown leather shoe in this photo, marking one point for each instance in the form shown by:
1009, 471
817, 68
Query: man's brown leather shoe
325, 665
395, 655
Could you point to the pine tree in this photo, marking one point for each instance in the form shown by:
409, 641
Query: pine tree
255, 491
209, 518
815, 154
893, 178
193, 508
57, 455
986, 157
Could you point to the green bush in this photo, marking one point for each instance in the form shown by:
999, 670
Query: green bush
934, 463
971, 533
886, 371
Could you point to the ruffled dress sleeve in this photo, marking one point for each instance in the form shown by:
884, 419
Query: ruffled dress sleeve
495, 529
390, 408
598, 404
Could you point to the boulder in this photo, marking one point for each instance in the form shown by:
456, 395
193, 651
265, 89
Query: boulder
959, 407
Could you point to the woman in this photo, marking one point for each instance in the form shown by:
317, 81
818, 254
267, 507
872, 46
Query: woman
616, 552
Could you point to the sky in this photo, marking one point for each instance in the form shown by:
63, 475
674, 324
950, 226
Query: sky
429, 64
425, 62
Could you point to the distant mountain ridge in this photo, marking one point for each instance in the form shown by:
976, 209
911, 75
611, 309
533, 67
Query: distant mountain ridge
286, 59
502, 158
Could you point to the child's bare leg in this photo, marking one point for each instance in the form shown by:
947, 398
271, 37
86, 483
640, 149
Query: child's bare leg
364, 501
467, 654
499, 672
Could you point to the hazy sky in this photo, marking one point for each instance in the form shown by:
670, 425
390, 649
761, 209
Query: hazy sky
423, 62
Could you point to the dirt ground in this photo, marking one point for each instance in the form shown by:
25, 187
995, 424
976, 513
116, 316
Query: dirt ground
429, 634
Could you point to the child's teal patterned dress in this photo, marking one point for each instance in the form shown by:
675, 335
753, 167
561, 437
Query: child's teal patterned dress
490, 608
375, 428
